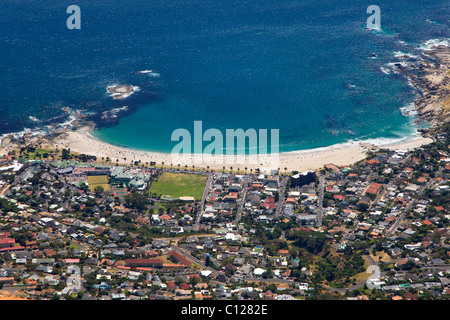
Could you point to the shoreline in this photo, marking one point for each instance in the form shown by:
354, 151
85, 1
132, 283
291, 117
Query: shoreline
345, 154
432, 105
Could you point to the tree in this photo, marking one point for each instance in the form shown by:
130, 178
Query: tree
137, 201
98, 190
362, 206
66, 154
83, 186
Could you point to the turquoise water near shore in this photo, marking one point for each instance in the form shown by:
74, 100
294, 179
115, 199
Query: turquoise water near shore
303, 67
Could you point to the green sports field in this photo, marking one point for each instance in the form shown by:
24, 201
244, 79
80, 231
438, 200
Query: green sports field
179, 185
95, 181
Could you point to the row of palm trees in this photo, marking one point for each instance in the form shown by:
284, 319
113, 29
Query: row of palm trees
153, 163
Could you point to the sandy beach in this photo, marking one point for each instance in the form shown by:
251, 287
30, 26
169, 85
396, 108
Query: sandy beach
346, 154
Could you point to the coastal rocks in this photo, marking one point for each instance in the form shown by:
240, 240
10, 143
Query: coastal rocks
112, 116
432, 81
13, 141
121, 91
7, 140
109, 117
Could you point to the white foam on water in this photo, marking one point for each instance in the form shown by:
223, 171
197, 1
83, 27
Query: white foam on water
385, 70
408, 110
20, 134
433, 43
401, 54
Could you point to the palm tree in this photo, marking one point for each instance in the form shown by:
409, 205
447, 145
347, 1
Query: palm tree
245, 170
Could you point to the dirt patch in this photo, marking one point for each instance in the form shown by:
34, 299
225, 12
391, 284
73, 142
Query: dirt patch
384, 256
5, 295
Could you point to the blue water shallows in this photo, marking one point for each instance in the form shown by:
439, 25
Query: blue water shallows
303, 67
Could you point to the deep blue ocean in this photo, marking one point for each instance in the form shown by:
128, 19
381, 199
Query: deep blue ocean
303, 67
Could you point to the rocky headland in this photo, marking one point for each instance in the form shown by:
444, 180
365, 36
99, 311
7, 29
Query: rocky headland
431, 78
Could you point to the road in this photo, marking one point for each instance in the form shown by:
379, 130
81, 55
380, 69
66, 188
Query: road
5, 189
202, 203
241, 203
399, 219
319, 212
381, 192
279, 207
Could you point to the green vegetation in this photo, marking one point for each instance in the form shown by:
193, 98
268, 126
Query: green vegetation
337, 269
178, 185
137, 201
98, 181
36, 154
310, 240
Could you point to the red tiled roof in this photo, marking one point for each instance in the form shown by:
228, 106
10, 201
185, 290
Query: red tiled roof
144, 269
171, 285
180, 258
184, 286
7, 241
373, 188
144, 262
4, 235
12, 249
270, 205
